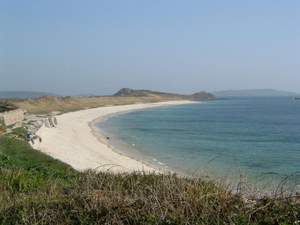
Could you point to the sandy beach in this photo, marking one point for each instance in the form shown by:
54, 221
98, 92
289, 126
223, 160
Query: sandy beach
75, 141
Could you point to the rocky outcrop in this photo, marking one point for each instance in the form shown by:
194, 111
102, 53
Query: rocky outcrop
12, 117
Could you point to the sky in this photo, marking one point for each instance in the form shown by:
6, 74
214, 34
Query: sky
99, 46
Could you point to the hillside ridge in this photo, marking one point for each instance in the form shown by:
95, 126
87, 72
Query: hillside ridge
198, 96
125, 96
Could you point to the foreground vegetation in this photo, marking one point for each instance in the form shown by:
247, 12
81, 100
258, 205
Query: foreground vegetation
36, 189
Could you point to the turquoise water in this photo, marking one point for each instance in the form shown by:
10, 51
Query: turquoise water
254, 138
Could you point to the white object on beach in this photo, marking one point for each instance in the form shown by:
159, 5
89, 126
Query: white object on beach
47, 123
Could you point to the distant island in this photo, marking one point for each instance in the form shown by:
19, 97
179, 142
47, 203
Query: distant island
254, 93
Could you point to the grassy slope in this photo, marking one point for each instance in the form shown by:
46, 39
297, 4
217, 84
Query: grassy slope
17, 156
36, 189
66, 104
124, 96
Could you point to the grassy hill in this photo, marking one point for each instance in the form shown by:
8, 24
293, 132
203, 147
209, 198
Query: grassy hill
36, 189
124, 96
199, 96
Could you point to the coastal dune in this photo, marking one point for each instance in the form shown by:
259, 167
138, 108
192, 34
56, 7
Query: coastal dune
76, 141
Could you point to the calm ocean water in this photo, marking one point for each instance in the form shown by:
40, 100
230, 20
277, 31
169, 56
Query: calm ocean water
257, 139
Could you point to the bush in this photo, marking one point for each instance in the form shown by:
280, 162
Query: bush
137, 198
20, 132
2, 126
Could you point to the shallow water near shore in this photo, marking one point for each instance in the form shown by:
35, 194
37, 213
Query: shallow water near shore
256, 140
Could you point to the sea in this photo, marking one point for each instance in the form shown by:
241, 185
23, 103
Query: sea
240, 140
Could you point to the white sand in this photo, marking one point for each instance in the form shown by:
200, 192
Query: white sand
74, 141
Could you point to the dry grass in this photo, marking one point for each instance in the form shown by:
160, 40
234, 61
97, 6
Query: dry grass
125, 96
103, 198
66, 104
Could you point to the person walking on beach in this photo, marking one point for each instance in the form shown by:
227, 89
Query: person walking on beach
29, 137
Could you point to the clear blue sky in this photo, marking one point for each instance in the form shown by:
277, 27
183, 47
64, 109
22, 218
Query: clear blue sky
83, 47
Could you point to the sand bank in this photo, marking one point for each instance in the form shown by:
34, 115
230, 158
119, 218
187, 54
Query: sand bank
75, 142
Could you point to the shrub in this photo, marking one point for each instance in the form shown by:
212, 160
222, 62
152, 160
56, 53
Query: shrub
2, 126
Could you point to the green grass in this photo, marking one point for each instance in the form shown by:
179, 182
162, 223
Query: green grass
15, 152
31, 168
36, 189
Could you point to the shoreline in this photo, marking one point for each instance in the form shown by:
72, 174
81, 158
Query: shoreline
98, 133
78, 142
